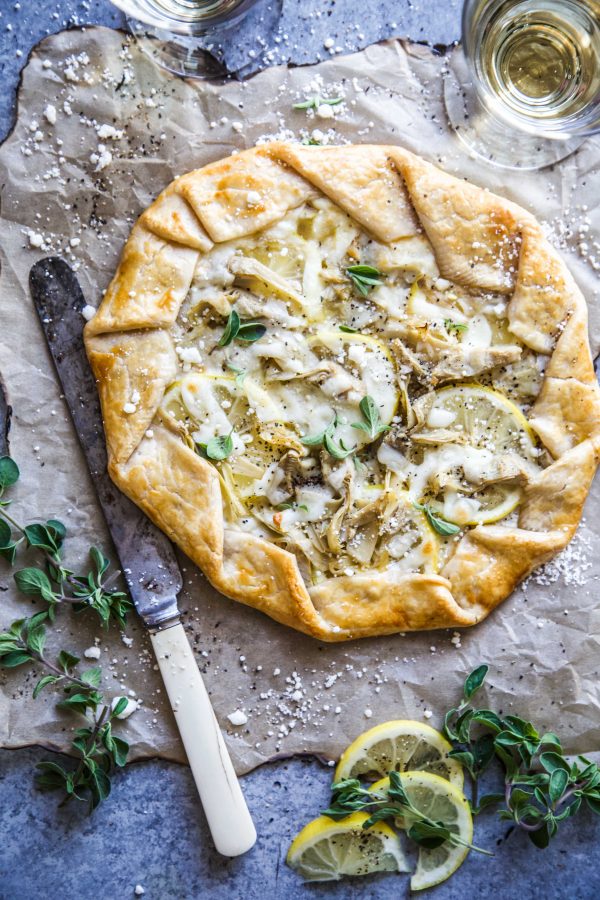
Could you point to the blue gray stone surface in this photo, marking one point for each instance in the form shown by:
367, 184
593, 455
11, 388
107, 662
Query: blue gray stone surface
152, 831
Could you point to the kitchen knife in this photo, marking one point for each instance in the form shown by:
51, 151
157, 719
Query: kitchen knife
148, 561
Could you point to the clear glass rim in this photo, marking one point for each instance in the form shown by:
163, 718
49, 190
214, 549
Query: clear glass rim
148, 16
490, 102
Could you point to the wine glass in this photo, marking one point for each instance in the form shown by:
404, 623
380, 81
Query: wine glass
524, 91
178, 34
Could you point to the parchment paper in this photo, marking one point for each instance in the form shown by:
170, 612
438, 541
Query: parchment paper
73, 187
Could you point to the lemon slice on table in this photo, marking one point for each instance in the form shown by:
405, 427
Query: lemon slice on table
326, 850
442, 802
399, 745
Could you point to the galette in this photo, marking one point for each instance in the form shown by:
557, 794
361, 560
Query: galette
355, 390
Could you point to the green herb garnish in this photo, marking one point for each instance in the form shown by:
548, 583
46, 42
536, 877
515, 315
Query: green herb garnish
283, 506
338, 451
218, 448
449, 325
236, 329
349, 796
541, 787
327, 439
97, 750
51, 581
372, 424
316, 101
311, 142
437, 523
348, 330
364, 278
240, 374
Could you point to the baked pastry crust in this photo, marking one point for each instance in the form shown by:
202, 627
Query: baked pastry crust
480, 241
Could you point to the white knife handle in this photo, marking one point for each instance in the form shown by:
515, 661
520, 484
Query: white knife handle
228, 818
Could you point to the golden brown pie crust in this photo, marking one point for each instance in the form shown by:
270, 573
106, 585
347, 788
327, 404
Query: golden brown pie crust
392, 194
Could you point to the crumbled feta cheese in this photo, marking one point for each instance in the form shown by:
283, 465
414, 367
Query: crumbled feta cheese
88, 312
237, 126
427, 713
189, 354
325, 111
35, 239
253, 198
138, 890
129, 408
50, 114
238, 717
92, 653
109, 132
368, 713
102, 158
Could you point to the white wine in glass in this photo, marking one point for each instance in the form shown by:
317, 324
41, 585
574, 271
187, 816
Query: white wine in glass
526, 90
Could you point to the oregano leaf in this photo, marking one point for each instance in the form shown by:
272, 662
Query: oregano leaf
9, 472
231, 329
475, 680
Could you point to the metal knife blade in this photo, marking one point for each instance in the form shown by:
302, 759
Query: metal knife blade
147, 556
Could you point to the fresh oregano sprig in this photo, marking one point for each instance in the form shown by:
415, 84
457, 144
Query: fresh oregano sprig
372, 420
541, 786
217, 448
240, 374
364, 278
451, 326
326, 438
97, 749
238, 330
392, 805
439, 524
51, 582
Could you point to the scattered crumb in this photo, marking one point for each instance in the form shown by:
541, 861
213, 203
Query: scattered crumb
88, 312
50, 114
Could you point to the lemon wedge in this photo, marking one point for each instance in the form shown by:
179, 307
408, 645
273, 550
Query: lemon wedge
440, 801
399, 745
326, 850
